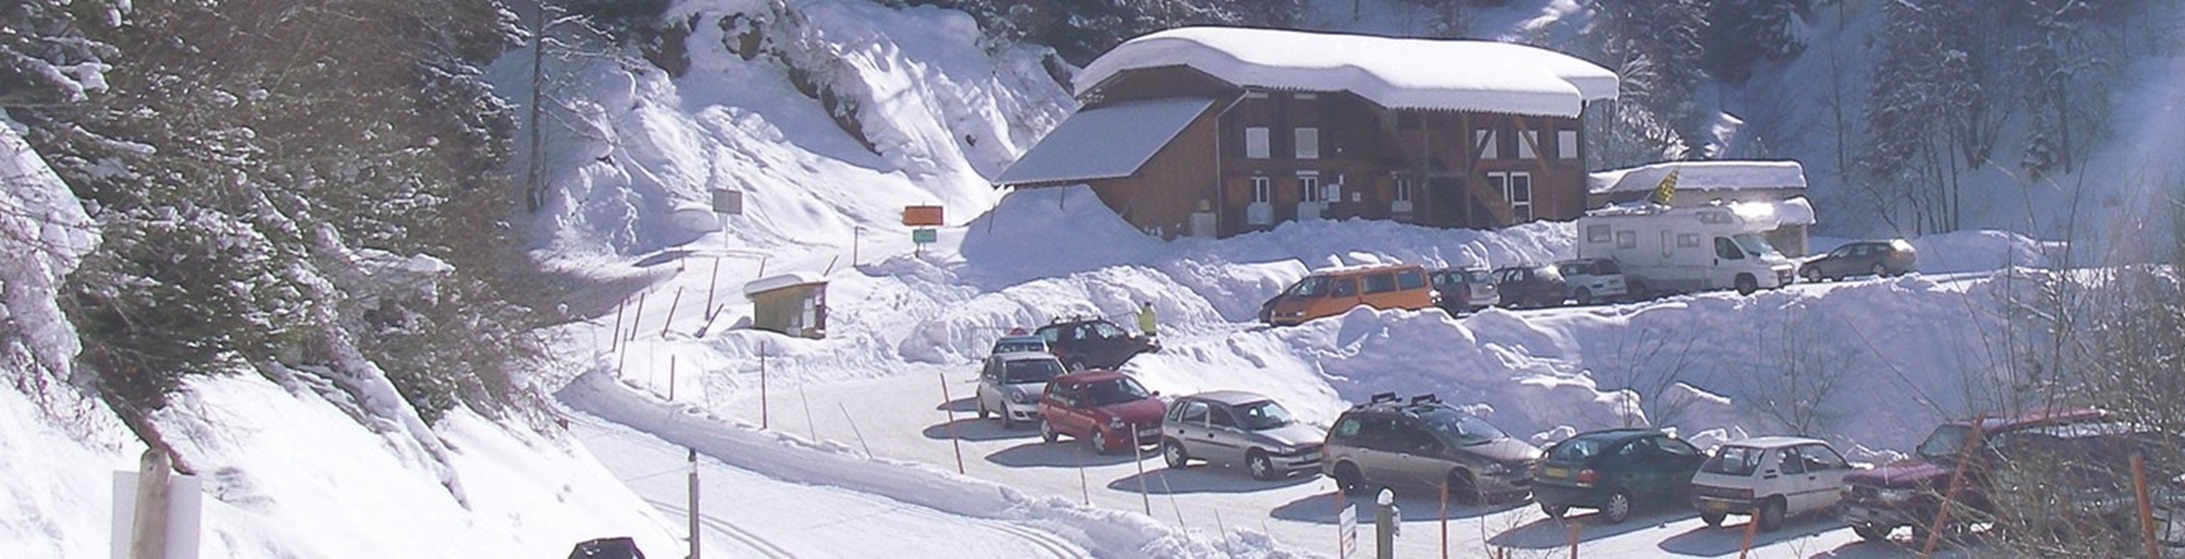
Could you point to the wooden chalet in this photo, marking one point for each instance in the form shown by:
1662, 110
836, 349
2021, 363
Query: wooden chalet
1218, 131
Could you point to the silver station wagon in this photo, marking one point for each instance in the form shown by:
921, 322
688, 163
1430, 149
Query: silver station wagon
1233, 428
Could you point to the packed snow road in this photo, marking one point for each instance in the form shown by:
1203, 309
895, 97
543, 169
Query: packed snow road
903, 417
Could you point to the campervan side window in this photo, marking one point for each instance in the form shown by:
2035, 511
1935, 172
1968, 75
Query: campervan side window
1627, 239
1688, 239
1597, 233
1715, 217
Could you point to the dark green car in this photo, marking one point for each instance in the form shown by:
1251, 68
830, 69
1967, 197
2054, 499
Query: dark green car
1612, 470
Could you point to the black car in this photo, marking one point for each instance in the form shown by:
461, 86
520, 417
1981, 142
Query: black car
1537, 285
1880, 258
1613, 470
1093, 343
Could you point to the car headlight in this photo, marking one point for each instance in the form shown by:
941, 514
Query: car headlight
1495, 469
1894, 495
1020, 397
1115, 423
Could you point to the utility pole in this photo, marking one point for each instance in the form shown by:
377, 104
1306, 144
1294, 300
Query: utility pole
693, 502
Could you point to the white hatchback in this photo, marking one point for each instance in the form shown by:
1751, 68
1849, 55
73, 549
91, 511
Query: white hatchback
1771, 478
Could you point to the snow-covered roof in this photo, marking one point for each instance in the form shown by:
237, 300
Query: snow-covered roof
1482, 76
1105, 142
1776, 441
1701, 175
1795, 211
790, 279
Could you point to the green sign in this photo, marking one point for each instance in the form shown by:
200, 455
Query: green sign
924, 236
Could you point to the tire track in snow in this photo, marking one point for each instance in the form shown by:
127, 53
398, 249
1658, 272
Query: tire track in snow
749, 539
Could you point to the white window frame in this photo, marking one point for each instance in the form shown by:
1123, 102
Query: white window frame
1526, 139
1309, 188
1566, 144
1506, 184
1263, 190
1483, 141
1258, 143
1403, 189
1307, 141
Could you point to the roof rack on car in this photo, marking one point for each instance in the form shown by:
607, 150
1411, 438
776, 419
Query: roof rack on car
1428, 398
1383, 397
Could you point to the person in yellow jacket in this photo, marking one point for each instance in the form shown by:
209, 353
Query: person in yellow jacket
1147, 322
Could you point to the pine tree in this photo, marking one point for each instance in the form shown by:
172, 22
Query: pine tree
1654, 47
1742, 33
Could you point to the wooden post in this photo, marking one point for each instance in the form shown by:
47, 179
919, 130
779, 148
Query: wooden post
693, 502
1746, 546
809, 425
2146, 506
713, 282
614, 341
671, 377
638, 316
148, 535
672, 303
1084, 488
1445, 519
854, 430
1573, 538
1139, 460
1219, 527
762, 388
951, 411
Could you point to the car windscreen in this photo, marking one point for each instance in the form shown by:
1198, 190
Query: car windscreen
1263, 415
1478, 276
1014, 347
1116, 391
1466, 429
1315, 286
1030, 370
1735, 460
1945, 442
1576, 450
1753, 244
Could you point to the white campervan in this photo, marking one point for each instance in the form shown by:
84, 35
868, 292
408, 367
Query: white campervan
1663, 249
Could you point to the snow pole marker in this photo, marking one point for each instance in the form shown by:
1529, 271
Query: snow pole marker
1221, 531
713, 283
1144, 497
671, 377
693, 502
762, 388
809, 425
854, 430
1573, 538
614, 341
1445, 519
950, 409
1084, 488
1746, 546
636, 317
2146, 507
1172, 498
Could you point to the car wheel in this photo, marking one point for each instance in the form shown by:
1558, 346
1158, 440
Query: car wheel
1554, 511
1008, 420
983, 414
1463, 489
1713, 519
1746, 285
1099, 442
1813, 275
1172, 452
1047, 431
1262, 467
1348, 480
1880, 271
1635, 289
1870, 532
1771, 515
1618, 508
1584, 296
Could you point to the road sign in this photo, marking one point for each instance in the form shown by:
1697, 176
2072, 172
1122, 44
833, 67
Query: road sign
922, 216
1346, 523
729, 202
924, 236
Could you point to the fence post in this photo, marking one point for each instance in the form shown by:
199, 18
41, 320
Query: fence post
762, 388
638, 316
854, 430
672, 304
1139, 459
713, 282
1445, 518
693, 502
1957, 475
614, 341
948, 405
671, 377
1573, 538
1746, 546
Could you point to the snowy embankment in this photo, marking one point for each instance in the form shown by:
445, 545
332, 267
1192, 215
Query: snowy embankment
1101, 532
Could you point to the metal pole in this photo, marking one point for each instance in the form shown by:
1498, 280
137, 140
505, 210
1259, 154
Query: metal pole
693, 502
712, 282
638, 316
762, 388
951, 411
671, 377
809, 425
854, 430
2146, 507
1445, 519
1384, 525
614, 342
148, 536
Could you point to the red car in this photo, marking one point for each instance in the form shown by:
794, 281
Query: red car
1908, 492
1102, 408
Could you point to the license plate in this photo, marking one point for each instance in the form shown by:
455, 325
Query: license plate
1718, 506
1149, 435
1555, 472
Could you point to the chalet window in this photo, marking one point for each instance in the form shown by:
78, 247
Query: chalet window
1255, 143
1483, 141
1262, 190
1597, 233
1403, 189
1517, 189
1627, 239
1308, 143
1566, 144
1308, 186
1525, 141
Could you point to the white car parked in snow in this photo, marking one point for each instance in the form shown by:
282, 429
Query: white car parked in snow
1771, 478
1010, 385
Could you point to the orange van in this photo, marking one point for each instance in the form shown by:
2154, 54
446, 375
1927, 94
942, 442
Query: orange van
1335, 291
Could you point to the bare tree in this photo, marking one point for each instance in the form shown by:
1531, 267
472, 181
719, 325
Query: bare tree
1795, 383
1656, 364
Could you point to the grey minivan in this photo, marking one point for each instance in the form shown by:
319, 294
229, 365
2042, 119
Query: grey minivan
1235, 427
1427, 444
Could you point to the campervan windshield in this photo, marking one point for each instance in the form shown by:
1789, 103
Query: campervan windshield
1753, 244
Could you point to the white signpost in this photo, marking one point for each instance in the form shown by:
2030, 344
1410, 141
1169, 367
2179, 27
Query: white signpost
184, 495
1346, 525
